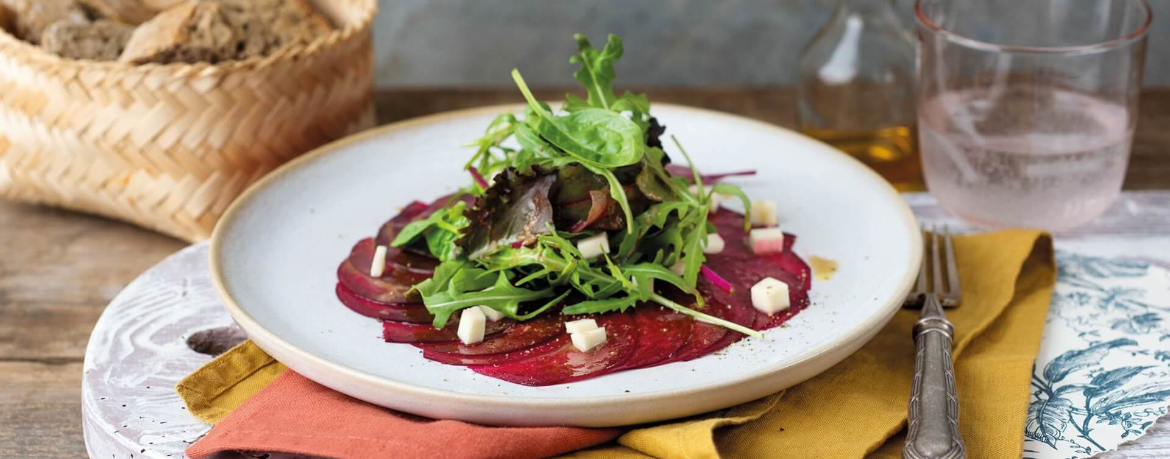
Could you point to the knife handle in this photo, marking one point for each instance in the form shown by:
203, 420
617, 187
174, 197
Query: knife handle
933, 431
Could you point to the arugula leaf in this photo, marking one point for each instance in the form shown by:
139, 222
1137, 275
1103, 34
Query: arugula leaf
693, 242
724, 188
595, 137
473, 279
654, 217
441, 280
639, 104
705, 317
602, 306
442, 245
497, 131
698, 178
597, 72
440, 230
501, 296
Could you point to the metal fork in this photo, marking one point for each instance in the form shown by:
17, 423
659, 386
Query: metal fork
933, 431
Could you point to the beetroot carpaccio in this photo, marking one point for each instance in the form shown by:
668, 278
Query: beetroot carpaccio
579, 248
539, 352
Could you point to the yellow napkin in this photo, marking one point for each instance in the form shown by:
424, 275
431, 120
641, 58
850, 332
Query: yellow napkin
855, 409
217, 388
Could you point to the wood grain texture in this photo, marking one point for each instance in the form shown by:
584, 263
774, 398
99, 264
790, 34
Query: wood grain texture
59, 269
39, 410
139, 350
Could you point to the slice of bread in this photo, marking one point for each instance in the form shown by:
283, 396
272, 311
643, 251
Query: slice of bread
34, 16
265, 26
131, 12
191, 32
102, 40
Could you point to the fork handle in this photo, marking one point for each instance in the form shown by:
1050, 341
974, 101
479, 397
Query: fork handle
933, 431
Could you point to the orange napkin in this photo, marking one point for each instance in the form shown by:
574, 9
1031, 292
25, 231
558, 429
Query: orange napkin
296, 415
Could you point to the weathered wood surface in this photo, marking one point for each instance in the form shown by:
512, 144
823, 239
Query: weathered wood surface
59, 269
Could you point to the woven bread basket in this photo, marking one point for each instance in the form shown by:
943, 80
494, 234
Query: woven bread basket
168, 147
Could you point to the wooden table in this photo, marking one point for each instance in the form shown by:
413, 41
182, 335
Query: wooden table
59, 269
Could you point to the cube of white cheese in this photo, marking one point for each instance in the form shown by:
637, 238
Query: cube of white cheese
770, 296
715, 244
491, 314
593, 246
378, 266
679, 268
716, 199
587, 340
764, 213
766, 240
471, 326
578, 326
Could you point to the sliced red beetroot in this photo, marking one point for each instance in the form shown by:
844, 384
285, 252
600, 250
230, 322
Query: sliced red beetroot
554, 344
411, 212
363, 255
409, 262
567, 364
661, 332
392, 287
799, 300
743, 269
413, 313
740, 313
519, 336
403, 332
705, 335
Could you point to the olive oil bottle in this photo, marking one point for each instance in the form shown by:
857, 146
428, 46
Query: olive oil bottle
855, 90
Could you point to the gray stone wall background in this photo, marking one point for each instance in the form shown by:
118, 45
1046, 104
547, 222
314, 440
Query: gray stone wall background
668, 42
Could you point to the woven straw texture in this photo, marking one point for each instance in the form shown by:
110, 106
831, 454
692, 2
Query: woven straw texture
168, 147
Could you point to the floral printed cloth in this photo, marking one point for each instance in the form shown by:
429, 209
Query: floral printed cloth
1102, 376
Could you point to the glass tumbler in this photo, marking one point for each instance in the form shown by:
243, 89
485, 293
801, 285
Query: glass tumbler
1026, 109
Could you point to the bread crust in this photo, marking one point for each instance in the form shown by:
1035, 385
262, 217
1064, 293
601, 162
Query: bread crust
132, 12
265, 26
191, 32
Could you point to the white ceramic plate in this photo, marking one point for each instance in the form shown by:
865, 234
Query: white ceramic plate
275, 253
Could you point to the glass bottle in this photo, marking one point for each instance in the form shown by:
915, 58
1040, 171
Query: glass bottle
855, 90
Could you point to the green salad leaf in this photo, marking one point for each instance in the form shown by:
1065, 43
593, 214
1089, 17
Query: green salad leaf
593, 166
597, 73
440, 230
500, 295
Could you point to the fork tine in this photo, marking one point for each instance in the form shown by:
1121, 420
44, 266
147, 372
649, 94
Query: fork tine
936, 264
920, 287
954, 292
